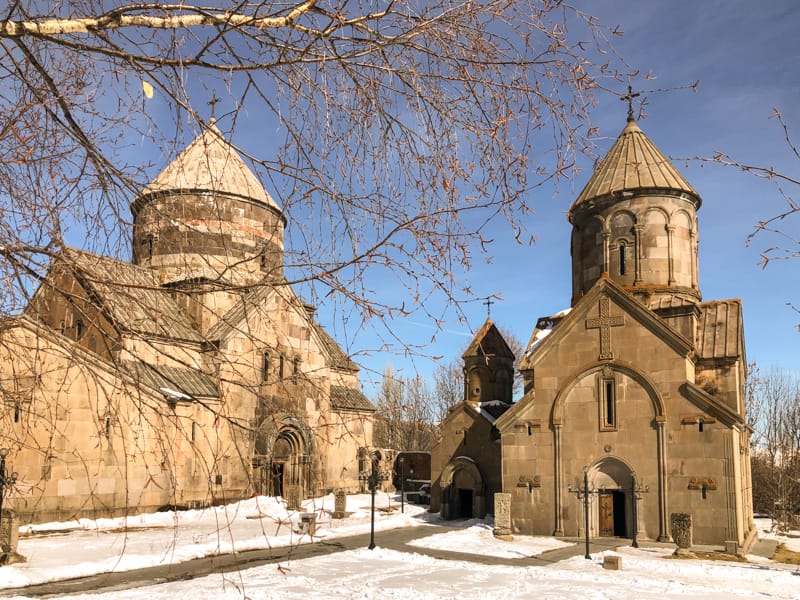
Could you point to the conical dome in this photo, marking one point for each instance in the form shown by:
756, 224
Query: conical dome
635, 222
207, 218
633, 163
210, 163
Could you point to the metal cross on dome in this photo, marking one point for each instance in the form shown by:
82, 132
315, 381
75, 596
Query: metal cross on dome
629, 98
213, 103
488, 303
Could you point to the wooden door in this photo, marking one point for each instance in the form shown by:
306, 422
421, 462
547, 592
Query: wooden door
606, 514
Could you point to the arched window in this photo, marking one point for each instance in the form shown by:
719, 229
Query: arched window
265, 367
622, 258
295, 368
608, 403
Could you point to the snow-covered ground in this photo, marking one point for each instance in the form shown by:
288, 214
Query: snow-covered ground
88, 547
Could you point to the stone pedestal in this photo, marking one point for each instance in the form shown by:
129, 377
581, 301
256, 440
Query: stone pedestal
308, 523
502, 517
339, 504
681, 530
9, 536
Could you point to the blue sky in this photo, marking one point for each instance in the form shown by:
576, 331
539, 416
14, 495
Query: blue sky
746, 57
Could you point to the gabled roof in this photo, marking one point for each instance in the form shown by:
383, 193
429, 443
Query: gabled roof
606, 286
192, 382
129, 296
236, 316
485, 411
708, 403
488, 341
633, 163
347, 398
720, 330
210, 163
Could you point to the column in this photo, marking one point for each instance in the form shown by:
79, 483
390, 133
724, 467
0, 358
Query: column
663, 515
558, 480
671, 254
637, 253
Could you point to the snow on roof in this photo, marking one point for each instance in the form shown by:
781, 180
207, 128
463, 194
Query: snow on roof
544, 327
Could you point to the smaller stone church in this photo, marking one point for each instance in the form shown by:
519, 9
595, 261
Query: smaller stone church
192, 375
639, 385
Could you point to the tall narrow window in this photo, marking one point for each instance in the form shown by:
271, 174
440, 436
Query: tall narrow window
622, 259
16, 413
295, 368
265, 367
608, 403
78, 329
280, 367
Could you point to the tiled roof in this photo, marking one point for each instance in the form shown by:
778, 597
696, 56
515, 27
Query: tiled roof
210, 163
191, 382
338, 357
720, 332
131, 296
632, 163
488, 341
346, 398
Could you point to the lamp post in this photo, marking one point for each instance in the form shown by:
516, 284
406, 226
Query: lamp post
586, 509
583, 494
5, 481
402, 460
373, 480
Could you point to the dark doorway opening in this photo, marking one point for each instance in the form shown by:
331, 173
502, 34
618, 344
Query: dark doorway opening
464, 504
277, 478
619, 513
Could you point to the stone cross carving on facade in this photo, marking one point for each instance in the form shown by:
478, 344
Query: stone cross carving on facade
604, 323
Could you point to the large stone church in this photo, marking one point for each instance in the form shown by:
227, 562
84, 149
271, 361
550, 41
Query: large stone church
640, 384
192, 375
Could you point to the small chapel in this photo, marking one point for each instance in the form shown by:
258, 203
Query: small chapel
192, 375
638, 387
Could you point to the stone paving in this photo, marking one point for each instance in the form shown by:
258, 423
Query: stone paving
395, 539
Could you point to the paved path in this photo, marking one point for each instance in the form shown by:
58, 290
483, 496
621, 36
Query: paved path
394, 539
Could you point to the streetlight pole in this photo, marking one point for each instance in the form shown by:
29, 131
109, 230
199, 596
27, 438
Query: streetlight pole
373, 480
5, 481
372, 483
583, 494
586, 510
402, 484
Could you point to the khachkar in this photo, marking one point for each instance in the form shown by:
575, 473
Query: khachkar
502, 516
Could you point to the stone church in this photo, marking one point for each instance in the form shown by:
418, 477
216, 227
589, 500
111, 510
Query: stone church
640, 384
192, 375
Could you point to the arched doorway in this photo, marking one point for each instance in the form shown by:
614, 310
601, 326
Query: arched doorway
612, 479
462, 490
282, 459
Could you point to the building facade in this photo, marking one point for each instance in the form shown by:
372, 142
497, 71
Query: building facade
640, 384
192, 375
